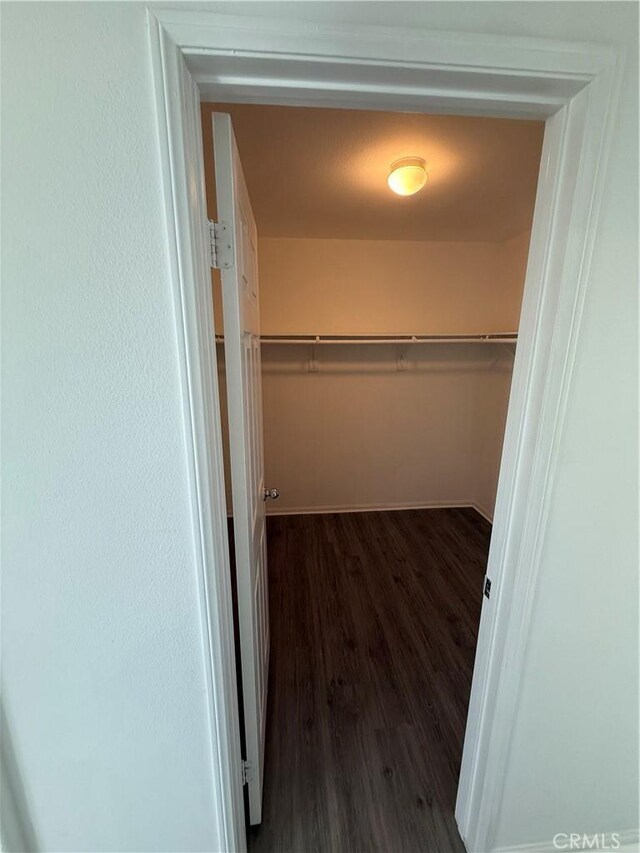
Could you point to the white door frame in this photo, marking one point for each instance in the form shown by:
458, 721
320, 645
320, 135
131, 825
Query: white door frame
574, 87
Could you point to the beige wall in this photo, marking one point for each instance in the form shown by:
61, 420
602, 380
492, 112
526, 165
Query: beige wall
359, 432
386, 287
491, 400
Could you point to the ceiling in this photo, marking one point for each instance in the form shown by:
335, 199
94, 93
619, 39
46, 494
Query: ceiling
315, 172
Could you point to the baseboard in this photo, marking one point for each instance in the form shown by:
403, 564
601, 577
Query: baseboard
386, 507
488, 516
630, 841
626, 842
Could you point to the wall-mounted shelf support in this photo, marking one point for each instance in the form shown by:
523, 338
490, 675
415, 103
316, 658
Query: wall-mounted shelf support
335, 340
401, 342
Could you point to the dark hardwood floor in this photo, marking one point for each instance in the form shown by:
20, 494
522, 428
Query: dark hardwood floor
374, 619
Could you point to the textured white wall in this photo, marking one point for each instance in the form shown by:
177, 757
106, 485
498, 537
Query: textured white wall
102, 672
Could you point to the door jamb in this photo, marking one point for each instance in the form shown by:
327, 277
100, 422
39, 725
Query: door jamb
574, 87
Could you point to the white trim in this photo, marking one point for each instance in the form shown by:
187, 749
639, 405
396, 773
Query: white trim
338, 509
182, 161
577, 142
577, 86
488, 516
629, 841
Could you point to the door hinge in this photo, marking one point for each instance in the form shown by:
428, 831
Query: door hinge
221, 246
487, 587
246, 771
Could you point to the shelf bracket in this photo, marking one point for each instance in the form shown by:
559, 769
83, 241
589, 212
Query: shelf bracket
314, 367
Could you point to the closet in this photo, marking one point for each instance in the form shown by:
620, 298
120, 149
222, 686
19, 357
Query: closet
388, 330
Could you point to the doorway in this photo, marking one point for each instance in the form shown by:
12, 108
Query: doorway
205, 56
388, 330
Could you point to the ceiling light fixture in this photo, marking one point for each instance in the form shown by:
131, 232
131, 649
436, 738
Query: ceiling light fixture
408, 175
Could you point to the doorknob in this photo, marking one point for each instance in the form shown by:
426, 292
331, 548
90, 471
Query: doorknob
270, 493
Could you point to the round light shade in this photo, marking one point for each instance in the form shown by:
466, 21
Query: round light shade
407, 176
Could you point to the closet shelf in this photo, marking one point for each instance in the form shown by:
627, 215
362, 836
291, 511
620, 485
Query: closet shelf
491, 338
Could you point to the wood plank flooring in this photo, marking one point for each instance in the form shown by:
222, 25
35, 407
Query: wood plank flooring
374, 619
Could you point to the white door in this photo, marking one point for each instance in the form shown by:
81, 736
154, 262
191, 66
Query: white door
244, 393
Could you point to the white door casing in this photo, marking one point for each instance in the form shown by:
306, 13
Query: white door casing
244, 389
228, 58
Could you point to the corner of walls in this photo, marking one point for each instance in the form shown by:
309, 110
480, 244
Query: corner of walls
492, 390
432, 434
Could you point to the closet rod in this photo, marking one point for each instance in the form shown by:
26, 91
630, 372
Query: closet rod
503, 338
